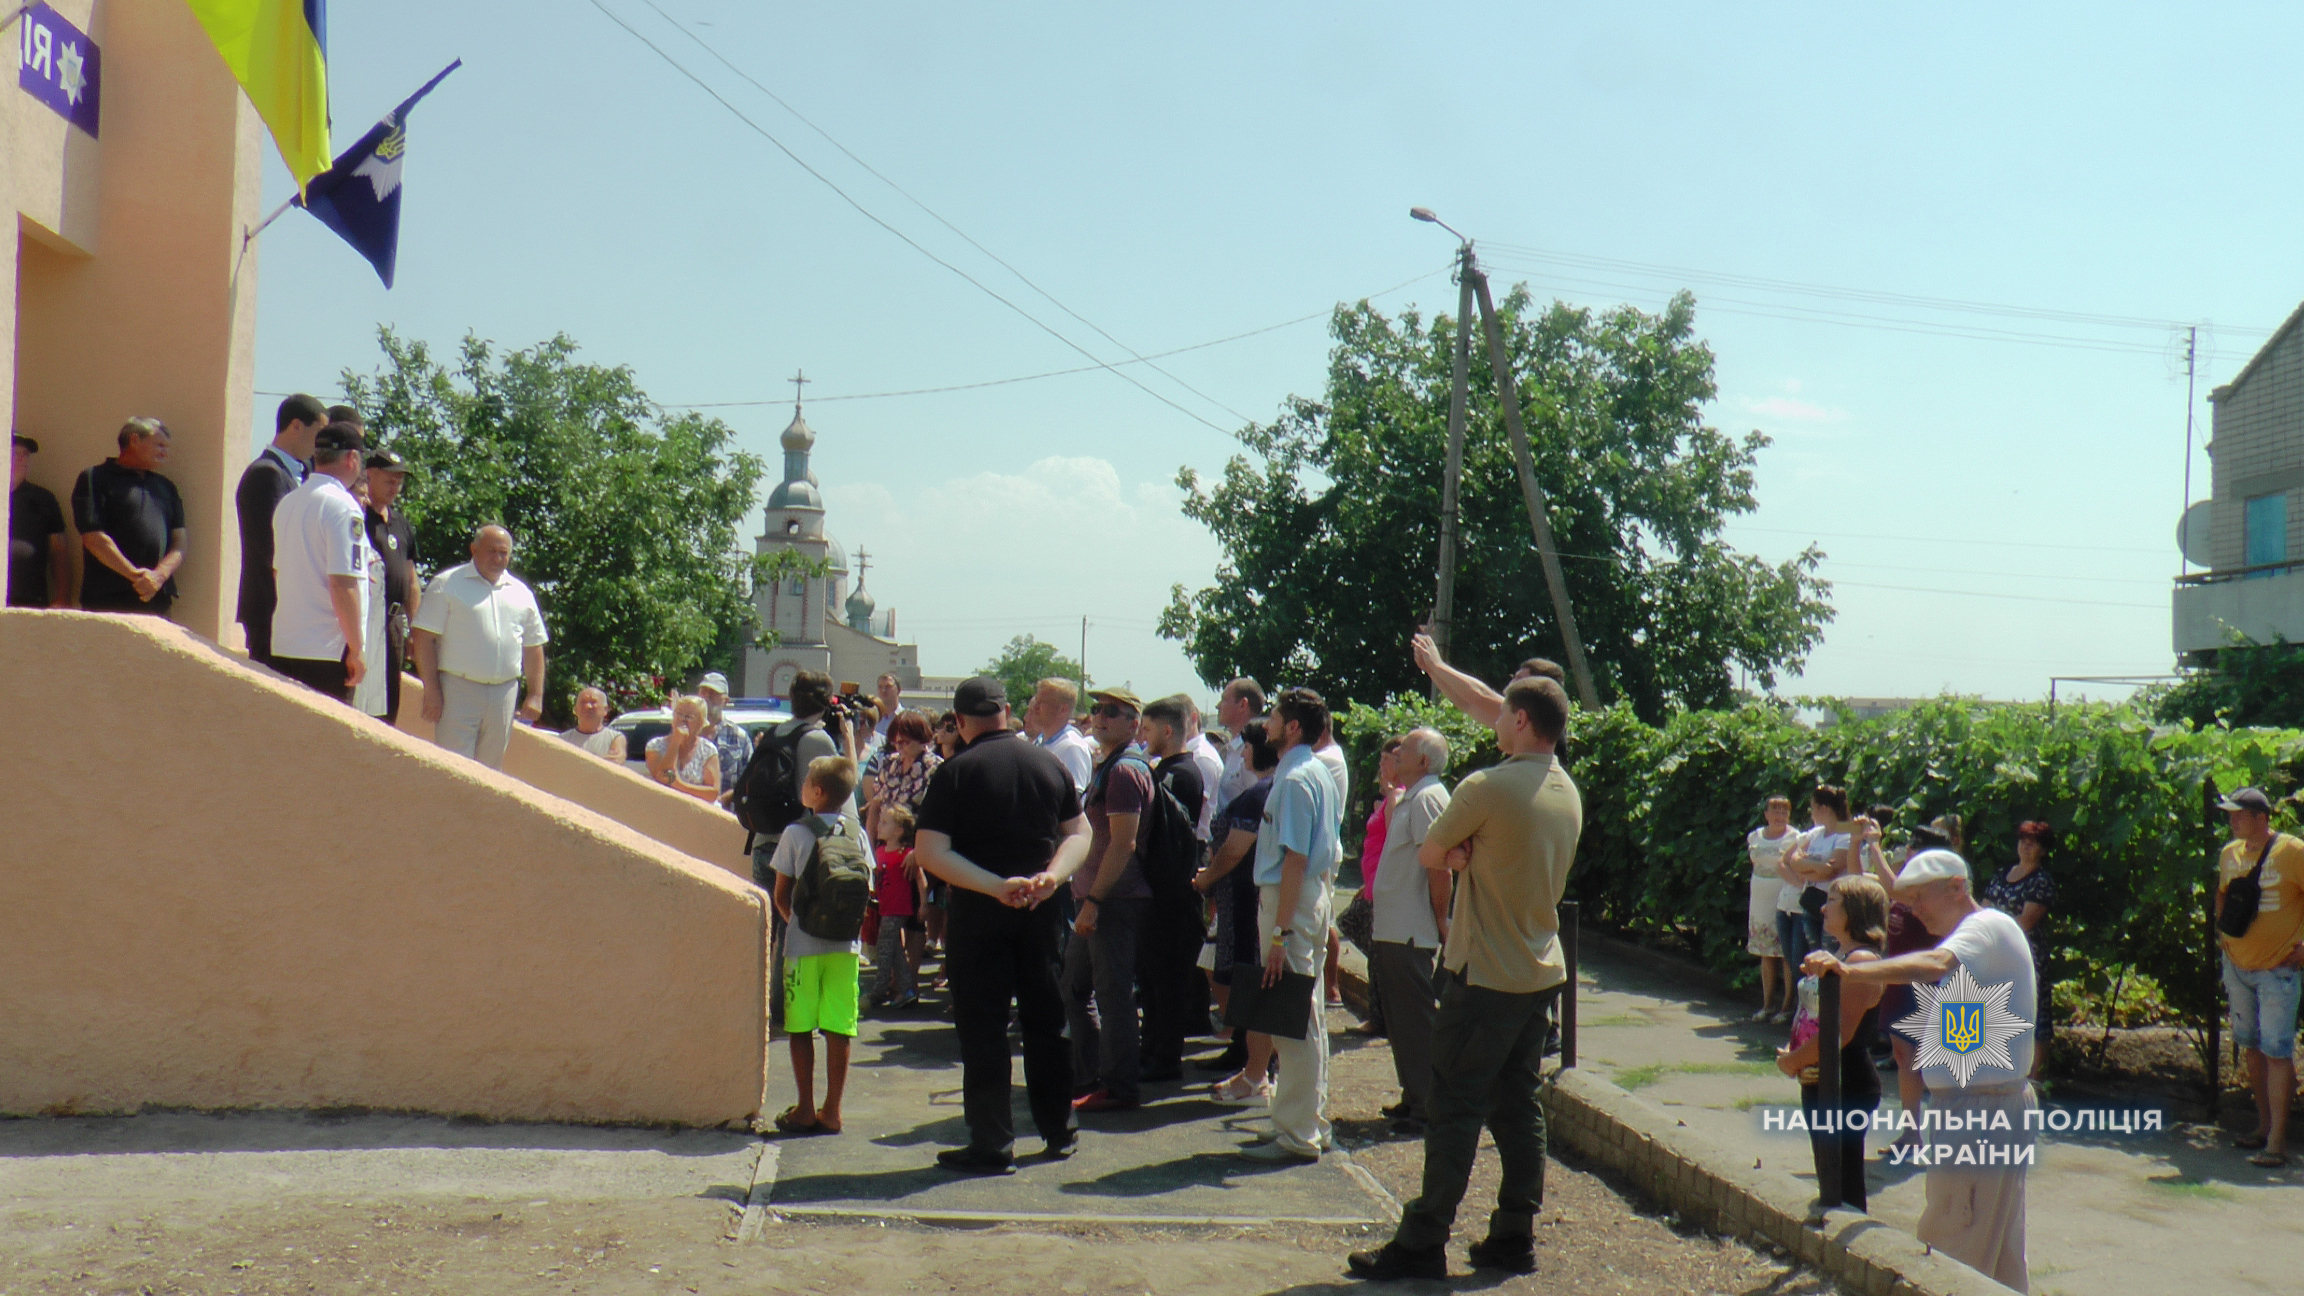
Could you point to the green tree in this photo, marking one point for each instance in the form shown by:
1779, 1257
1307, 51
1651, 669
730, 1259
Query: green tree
1330, 524
626, 517
2250, 684
1025, 662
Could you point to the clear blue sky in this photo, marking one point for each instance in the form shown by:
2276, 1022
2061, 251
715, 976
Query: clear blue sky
1996, 510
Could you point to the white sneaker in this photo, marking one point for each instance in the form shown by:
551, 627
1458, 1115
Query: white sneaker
1761, 1016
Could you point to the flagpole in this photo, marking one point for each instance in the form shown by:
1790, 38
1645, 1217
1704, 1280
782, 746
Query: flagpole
249, 236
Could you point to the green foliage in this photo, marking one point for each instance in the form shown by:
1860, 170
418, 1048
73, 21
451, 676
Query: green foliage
1025, 662
625, 516
1330, 523
2250, 684
1666, 809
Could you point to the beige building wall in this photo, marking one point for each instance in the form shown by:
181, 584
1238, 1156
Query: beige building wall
130, 295
221, 890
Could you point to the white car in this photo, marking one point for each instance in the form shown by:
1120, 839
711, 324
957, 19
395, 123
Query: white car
753, 715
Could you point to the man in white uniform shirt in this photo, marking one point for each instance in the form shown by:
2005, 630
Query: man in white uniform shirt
478, 633
320, 570
1048, 722
1239, 705
1411, 923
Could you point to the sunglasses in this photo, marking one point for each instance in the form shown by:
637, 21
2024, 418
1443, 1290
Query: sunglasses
1115, 711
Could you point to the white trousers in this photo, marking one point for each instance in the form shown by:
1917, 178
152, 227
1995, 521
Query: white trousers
476, 719
1300, 1097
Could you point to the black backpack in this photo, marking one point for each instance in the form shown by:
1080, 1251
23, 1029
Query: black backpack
834, 888
1168, 845
767, 796
2243, 896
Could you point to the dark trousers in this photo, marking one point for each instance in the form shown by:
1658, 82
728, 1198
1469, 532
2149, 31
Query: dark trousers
393, 665
1485, 1049
259, 640
996, 956
1100, 997
1845, 1144
1400, 978
1175, 994
327, 677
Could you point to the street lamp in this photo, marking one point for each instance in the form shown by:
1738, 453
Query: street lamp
1426, 214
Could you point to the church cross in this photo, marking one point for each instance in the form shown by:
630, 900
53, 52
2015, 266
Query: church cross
797, 380
863, 565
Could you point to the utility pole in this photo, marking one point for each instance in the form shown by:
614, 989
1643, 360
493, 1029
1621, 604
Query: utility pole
1475, 281
2191, 365
1444, 597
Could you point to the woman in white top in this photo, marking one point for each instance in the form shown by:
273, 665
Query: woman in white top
592, 732
1817, 856
686, 759
1765, 846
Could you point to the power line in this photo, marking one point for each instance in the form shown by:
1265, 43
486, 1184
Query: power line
1058, 373
938, 217
2024, 598
1587, 261
908, 240
1907, 539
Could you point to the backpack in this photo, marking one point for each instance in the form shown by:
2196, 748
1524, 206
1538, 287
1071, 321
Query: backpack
835, 886
1168, 845
2243, 896
767, 794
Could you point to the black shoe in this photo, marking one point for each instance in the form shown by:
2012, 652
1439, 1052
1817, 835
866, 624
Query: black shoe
1396, 1110
972, 1161
1408, 1126
1396, 1261
1061, 1149
1512, 1254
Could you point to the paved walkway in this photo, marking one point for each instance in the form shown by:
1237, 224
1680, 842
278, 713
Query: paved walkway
903, 1105
2173, 1212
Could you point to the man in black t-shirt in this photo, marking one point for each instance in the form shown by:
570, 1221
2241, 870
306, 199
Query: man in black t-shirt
395, 540
131, 522
1175, 997
39, 565
1001, 823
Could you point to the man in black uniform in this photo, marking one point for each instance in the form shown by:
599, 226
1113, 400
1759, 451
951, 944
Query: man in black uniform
39, 565
1001, 823
131, 522
280, 469
389, 532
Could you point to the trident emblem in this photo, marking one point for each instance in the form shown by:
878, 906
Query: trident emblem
1963, 1026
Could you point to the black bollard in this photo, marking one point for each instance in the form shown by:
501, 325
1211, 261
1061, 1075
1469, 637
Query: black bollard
1828, 1186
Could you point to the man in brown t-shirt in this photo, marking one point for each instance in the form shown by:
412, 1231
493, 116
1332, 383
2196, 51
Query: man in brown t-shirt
1510, 835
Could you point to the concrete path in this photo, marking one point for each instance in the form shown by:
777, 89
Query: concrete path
2108, 1213
1174, 1160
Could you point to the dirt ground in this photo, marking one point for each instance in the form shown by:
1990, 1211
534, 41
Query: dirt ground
1592, 1238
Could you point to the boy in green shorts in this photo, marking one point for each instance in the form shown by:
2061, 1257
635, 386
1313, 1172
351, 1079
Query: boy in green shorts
820, 975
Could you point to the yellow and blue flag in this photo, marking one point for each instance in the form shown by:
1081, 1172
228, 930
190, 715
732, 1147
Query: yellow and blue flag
359, 197
278, 50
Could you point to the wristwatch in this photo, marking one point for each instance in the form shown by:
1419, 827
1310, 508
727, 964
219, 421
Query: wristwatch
1281, 936
1098, 901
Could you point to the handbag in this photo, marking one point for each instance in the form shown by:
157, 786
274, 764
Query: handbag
1812, 901
870, 935
1357, 923
2243, 896
1283, 1009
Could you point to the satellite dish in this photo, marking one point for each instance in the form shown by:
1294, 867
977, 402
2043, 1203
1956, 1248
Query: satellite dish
2192, 532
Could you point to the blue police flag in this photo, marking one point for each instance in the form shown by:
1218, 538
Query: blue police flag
359, 197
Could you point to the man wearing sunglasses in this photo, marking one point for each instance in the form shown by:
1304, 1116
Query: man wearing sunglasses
1114, 905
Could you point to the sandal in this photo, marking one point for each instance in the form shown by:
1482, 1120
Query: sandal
1239, 1093
2269, 1160
790, 1123
2248, 1142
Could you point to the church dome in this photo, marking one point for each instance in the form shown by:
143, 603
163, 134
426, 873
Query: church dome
860, 607
799, 438
835, 557
796, 494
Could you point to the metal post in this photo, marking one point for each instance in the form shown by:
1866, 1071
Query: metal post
1571, 917
1444, 597
1508, 395
1829, 1190
2211, 816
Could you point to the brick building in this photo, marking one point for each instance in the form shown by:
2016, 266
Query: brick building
2255, 513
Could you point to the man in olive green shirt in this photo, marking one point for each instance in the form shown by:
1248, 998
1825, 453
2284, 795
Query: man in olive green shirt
1510, 835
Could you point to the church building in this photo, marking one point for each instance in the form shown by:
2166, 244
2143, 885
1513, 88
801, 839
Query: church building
817, 623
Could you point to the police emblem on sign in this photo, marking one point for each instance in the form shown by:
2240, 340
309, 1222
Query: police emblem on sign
1963, 1026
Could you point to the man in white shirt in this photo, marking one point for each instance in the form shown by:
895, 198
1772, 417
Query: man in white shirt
1411, 923
1239, 705
320, 570
1975, 1201
478, 633
1208, 761
1048, 722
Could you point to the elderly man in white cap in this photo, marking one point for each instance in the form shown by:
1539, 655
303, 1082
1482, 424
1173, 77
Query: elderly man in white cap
1975, 1210
735, 745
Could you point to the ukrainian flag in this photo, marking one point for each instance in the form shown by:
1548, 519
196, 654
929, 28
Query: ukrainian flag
279, 51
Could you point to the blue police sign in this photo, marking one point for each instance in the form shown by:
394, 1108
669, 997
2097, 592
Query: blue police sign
58, 65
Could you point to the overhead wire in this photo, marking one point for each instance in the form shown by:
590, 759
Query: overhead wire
907, 239
938, 217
